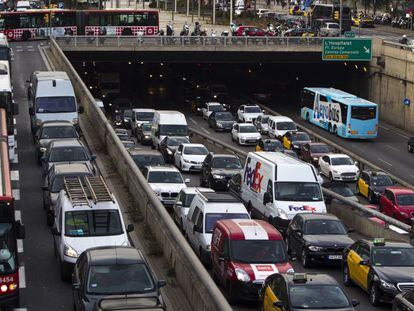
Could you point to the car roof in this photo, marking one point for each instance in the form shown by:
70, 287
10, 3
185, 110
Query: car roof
71, 168
249, 229
322, 216
192, 145
280, 118
245, 124
223, 155
114, 255
194, 190
56, 123
141, 151
388, 244
66, 143
162, 168
312, 279
400, 190
338, 155
143, 110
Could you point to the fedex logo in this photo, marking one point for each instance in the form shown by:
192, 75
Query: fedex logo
302, 208
252, 176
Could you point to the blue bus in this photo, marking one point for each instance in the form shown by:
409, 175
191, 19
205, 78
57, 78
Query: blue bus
340, 113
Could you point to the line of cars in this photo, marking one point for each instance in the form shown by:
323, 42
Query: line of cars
90, 239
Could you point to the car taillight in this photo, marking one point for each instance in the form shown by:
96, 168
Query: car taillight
349, 128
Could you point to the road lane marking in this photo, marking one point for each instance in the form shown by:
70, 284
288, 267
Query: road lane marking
16, 159
396, 229
402, 135
14, 175
22, 277
384, 127
16, 194
192, 120
388, 163
15, 132
20, 246
205, 130
356, 147
19, 50
393, 148
18, 215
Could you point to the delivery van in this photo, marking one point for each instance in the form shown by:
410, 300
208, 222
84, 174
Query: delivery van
167, 123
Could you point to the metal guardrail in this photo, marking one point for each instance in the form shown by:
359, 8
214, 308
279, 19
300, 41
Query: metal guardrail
180, 42
408, 47
243, 155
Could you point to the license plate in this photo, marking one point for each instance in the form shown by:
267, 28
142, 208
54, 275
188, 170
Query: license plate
335, 257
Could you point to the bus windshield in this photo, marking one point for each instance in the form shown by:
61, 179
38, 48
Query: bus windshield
363, 113
7, 248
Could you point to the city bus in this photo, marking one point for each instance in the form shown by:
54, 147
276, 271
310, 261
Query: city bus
11, 229
31, 24
340, 113
331, 13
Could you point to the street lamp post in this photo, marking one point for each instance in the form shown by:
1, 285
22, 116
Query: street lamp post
214, 12
231, 11
340, 17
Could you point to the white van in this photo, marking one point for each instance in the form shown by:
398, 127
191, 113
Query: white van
280, 125
51, 98
139, 116
276, 187
205, 210
168, 123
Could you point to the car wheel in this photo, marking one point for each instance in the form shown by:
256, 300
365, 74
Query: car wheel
307, 117
238, 141
330, 177
380, 208
49, 219
64, 273
330, 128
345, 276
232, 137
181, 166
231, 294
304, 259
410, 149
374, 295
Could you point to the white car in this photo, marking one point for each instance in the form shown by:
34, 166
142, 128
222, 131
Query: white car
239, 10
279, 126
261, 12
339, 167
166, 182
183, 202
190, 157
248, 113
245, 134
211, 107
329, 30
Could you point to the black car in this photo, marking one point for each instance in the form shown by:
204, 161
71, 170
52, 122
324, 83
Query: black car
404, 302
112, 272
169, 145
317, 238
382, 269
218, 169
410, 145
304, 291
269, 144
199, 96
144, 157
221, 121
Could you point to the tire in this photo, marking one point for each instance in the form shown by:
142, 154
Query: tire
304, 259
231, 295
374, 295
64, 273
410, 149
49, 219
238, 141
335, 130
232, 138
307, 117
330, 128
330, 177
345, 276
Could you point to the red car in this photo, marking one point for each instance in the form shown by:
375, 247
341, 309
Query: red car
251, 31
398, 202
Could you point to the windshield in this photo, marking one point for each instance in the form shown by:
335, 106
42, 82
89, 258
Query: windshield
297, 191
252, 109
248, 129
286, 126
127, 113
168, 177
7, 248
273, 145
324, 226
405, 199
333, 26
259, 251
212, 218
196, 150
68, 154
142, 160
188, 198
119, 279
176, 141
318, 297
300, 137
226, 163
320, 149
363, 113
92, 223
393, 257
342, 161
264, 120
55, 104
55, 132
144, 116
146, 127
381, 180
224, 116
215, 108
173, 129
345, 191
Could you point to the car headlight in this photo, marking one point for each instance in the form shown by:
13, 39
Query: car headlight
75, 120
219, 125
169, 151
387, 285
215, 96
315, 159
146, 136
38, 122
186, 161
290, 271
242, 275
295, 146
336, 172
315, 248
42, 149
282, 214
215, 176
208, 248
70, 252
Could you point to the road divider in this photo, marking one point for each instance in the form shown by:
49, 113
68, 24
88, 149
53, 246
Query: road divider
200, 290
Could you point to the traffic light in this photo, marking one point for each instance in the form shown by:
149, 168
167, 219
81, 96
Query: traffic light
336, 15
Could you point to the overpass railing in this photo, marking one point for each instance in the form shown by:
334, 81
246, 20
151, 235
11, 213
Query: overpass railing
222, 42
408, 47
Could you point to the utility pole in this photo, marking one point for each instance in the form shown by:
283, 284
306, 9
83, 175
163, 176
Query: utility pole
231, 11
214, 12
188, 8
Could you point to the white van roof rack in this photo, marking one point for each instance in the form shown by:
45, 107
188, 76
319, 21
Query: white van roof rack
75, 191
98, 189
82, 189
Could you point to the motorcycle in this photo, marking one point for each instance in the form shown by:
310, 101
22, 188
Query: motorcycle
186, 30
68, 34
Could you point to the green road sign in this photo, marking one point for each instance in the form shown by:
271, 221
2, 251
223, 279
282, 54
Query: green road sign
347, 49
349, 34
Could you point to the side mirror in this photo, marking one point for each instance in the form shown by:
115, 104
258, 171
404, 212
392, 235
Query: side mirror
76, 286
279, 304
55, 231
179, 204
31, 111
187, 180
130, 228
93, 157
356, 162
21, 230
80, 109
266, 198
264, 112
355, 302
15, 108
364, 262
161, 283
350, 230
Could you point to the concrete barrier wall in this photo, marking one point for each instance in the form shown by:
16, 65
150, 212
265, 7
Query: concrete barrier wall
191, 276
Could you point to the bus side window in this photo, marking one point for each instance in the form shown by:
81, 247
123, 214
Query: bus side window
323, 98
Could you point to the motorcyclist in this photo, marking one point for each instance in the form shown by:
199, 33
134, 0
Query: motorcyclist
170, 29
186, 29
197, 29
404, 40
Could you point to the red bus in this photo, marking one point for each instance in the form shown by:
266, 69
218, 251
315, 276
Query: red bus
30, 24
10, 229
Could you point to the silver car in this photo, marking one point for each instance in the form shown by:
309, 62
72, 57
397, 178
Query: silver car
329, 30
